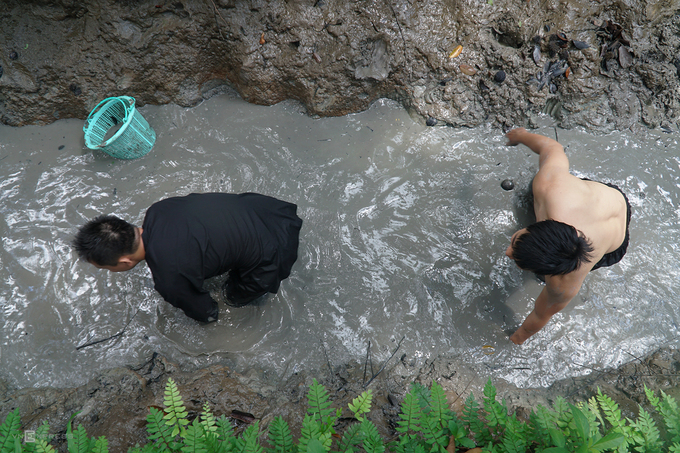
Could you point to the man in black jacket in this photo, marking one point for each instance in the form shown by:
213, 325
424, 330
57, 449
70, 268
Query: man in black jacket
185, 240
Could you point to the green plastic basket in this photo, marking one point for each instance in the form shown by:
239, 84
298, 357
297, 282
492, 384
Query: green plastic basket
117, 128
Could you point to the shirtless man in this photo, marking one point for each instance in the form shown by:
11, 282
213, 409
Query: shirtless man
581, 225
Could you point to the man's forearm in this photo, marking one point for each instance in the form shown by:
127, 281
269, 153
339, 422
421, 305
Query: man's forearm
532, 324
547, 304
536, 142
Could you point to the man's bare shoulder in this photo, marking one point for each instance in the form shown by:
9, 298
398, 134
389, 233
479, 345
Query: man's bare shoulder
569, 284
557, 184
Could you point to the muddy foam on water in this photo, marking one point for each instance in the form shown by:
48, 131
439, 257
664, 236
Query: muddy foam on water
404, 234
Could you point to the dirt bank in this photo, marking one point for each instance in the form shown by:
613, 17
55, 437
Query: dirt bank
116, 403
60, 57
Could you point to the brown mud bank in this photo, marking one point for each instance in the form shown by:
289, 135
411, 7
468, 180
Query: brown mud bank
605, 66
115, 404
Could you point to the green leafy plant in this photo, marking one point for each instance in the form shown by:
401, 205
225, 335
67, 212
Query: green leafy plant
361, 404
426, 425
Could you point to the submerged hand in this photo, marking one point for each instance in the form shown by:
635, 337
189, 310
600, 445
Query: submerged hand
514, 136
521, 335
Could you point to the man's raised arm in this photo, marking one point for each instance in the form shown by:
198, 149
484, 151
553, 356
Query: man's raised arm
550, 153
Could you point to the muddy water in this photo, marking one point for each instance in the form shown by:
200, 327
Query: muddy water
404, 232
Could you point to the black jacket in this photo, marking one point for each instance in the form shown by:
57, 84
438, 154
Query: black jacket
188, 239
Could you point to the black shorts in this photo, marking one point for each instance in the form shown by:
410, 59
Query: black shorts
614, 257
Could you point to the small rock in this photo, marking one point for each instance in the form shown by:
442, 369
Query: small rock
500, 76
75, 89
0, 71
431, 121
625, 59
13, 55
507, 184
61, 147
467, 69
580, 45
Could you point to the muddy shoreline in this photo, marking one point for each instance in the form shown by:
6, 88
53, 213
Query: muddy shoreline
115, 403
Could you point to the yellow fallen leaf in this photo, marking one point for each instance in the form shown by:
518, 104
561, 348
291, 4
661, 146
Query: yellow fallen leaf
458, 49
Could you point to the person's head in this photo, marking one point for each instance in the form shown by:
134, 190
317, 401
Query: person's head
108, 242
549, 248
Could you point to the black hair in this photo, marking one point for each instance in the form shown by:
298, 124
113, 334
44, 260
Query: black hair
104, 239
550, 247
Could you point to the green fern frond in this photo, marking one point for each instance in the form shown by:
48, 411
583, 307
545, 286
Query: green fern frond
432, 432
311, 429
671, 416
159, 430
352, 437
318, 404
77, 441
562, 412
489, 390
194, 438
423, 396
440, 407
541, 420
280, 436
406, 443
248, 442
43, 432
373, 443
496, 413
315, 446
611, 410
101, 445
592, 418
410, 414
474, 422
9, 430
645, 434
612, 414
146, 448
653, 399
224, 429
222, 439
514, 437
545, 417
594, 407
361, 404
175, 412
42, 446
208, 421
675, 448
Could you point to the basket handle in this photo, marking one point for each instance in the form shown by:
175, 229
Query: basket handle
128, 104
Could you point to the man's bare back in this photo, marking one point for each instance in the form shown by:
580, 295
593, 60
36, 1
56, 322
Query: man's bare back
598, 212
